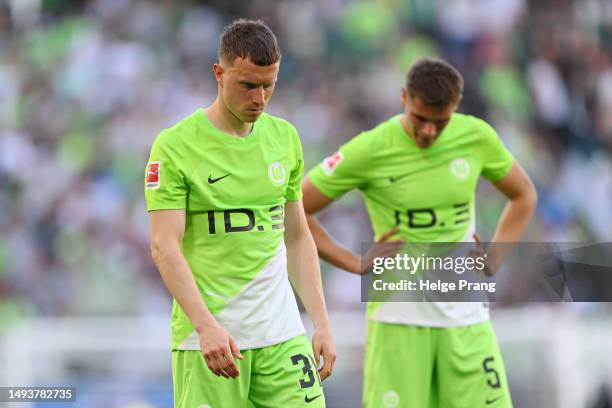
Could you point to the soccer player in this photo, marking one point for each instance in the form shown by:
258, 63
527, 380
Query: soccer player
223, 191
418, 173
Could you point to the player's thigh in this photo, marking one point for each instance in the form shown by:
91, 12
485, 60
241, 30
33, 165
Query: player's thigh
398, 366
195, 386
285, 375
471, 370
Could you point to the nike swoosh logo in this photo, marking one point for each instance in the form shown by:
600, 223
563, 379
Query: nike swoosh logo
393, 179
213, 181
488, 401
309, 400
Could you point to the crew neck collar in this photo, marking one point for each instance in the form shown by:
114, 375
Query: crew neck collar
226, 137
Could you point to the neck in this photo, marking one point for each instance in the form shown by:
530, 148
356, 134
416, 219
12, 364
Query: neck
226, 121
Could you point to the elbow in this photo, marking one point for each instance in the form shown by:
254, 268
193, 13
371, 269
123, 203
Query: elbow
526, 201
531, 198
308, 210
310, 221
156, 252
293, 239
297, 236
159, 251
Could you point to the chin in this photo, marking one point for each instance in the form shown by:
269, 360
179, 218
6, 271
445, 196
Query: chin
251, 117
424, 144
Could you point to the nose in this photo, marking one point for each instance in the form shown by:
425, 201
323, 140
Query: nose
259, 96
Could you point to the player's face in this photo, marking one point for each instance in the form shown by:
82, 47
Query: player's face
246, 88
425, 122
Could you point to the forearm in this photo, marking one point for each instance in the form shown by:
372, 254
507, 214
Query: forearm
514, 218
512, 223
330, 250
305, 275
179, 280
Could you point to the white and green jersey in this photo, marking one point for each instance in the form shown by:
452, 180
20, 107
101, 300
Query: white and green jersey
427, 193
233, 191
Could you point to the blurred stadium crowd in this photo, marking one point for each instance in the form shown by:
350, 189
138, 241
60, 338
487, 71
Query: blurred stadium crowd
85, 86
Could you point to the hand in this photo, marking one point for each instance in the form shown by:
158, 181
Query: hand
382, 248
217, 347
491, 261
322, 344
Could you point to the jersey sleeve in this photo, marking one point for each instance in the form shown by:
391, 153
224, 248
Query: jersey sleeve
165, 184
344, 170
497, 160
294, 188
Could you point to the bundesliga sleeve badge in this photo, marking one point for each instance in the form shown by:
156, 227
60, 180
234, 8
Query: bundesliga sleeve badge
152, 179
330, 163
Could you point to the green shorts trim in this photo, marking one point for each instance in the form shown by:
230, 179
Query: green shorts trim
425, 367
282, 375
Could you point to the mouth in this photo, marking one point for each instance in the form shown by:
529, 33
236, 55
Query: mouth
425, 142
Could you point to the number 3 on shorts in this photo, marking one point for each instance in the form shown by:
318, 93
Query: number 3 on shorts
306, 370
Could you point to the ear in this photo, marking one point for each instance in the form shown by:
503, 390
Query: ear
459, 101
405, 96
218, 71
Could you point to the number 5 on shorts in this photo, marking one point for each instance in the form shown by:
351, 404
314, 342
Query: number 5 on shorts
486, 365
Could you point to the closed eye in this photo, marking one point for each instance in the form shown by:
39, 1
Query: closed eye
440, 122
251, 85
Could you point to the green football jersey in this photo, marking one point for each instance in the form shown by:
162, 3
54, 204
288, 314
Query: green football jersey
233, 191
428, 194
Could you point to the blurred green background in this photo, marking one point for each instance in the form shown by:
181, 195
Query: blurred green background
85, 86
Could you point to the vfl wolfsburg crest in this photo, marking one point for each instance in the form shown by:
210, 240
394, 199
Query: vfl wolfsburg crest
460, 168
277, 173
391, 399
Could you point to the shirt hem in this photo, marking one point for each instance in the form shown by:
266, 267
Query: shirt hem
188, 345
323, 190
168, 207
294, 198
424, 323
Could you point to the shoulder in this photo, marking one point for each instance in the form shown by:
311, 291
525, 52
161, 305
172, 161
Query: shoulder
181, 133
280, 125
380, 136
279, 132
384, 129
473, 124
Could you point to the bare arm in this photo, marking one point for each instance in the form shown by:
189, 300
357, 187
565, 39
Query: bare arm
304, 272
329, 249
522, 201
167, 228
